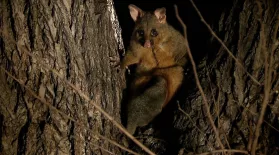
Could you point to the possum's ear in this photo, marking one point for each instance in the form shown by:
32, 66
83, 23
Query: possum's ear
135, 12
160, 13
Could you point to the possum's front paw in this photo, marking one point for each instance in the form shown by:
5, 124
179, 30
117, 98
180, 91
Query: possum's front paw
114, 61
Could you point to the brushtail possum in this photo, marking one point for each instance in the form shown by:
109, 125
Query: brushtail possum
159, 52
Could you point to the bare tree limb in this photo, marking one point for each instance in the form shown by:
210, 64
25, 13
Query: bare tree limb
225, 150
63, 114
199, 85
78, 91
267, 81
223, 44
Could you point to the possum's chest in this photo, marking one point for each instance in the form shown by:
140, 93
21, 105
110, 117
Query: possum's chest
147, 62
164, 59
155, 59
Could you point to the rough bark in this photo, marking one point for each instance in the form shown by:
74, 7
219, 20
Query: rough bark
250, 30
235, 99
75, 38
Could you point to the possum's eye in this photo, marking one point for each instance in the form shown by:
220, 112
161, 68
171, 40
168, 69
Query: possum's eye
154, 33
140, 33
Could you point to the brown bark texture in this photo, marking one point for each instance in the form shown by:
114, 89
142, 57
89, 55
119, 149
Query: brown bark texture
75, 39
250, 31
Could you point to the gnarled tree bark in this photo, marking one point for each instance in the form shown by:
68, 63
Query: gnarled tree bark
250, 30
76, 39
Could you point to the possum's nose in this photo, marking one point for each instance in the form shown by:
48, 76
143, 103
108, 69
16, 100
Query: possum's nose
147, 44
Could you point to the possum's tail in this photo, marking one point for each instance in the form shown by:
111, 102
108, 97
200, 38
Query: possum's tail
144, 107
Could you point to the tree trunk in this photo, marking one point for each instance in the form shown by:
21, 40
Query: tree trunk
76, 39
250, 30
41, 114
236, 101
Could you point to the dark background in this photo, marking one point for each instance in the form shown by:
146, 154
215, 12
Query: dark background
198, 35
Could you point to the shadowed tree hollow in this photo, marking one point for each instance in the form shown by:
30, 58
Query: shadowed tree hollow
54, 53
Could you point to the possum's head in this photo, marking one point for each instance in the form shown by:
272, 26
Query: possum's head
149, 26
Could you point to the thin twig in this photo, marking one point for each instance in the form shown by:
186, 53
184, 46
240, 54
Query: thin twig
267, 82
118, 145
181, 21
199, 85
218, 104
85, 97
118, 125
42, 100
255, 114
225, 150
222, 43
194, 124
103, 149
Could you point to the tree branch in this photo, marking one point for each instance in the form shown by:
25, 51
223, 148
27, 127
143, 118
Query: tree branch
199, 85
42, 100
223, 44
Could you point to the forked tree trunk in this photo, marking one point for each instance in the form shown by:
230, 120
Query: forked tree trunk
76, 39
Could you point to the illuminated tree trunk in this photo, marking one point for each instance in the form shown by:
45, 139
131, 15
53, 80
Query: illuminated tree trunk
75, 39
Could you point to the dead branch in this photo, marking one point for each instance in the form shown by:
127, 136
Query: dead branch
85, 97
223, 44
42, 100
199, 85
225, 150
268, 68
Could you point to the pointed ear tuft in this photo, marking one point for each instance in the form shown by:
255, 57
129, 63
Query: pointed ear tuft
135, 12
160, 13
